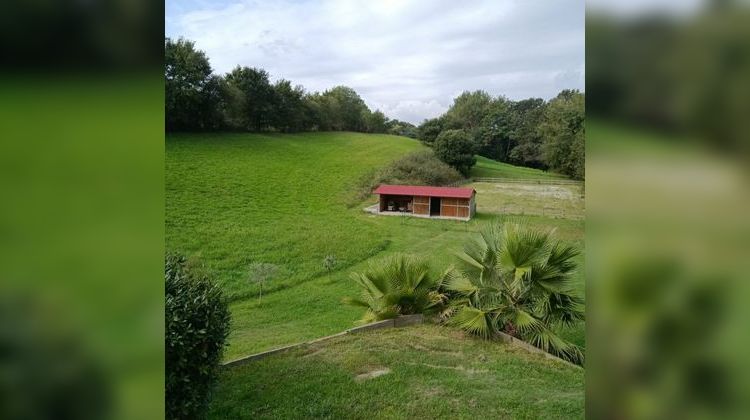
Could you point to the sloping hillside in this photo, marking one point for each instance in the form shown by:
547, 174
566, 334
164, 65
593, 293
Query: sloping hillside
414, 372
237, 199
489, 168
281, 199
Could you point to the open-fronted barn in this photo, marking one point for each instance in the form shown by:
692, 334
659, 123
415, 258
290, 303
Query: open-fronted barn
438, 202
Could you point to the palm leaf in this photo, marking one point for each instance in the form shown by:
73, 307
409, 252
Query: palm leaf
472, 320
522, 246
550, 342
461, 284
355, 302
562, 308
524, 321
399, 284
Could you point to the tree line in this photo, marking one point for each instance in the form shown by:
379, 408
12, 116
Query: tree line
683, 77
245, 99
532, 132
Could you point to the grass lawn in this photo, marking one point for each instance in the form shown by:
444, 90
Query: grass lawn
237, 199
234, 199
425, 371
489, 168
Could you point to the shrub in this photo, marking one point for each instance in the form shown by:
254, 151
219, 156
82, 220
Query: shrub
516, 280
398, 285
455, 148
418, 168
197, 325
47, 368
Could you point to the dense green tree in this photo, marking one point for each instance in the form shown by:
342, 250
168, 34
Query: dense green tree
289, 113
493, 136
375, 122
191, 92
428, 131
468, 110
563, 131
258, 93
401, 128
518, 132
455, 148
232, 106
525, 117
348, 109
244, 99
325, 110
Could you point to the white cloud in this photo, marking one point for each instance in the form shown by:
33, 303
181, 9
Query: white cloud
408, 58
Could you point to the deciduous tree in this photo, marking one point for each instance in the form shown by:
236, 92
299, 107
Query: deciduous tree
455, 148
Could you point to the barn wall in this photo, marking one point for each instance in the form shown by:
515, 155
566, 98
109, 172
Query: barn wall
421, 205
455, 207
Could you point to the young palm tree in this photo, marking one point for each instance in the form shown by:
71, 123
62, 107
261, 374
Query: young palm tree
517, 280
261, 273
329, 263
398, 285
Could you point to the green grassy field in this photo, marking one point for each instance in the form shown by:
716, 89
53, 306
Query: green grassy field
425, 371
234, 199
237, 199
492, 169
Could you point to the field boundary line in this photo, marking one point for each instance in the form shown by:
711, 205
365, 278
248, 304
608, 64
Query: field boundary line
528, 181
401, 321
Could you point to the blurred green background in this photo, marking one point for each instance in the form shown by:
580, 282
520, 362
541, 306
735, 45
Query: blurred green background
82, 209
667, 232
81, 244
81, 216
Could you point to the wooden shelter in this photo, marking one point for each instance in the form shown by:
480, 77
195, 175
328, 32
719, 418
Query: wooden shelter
436, 202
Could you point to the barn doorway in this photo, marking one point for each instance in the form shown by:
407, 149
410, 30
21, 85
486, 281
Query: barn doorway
434, 206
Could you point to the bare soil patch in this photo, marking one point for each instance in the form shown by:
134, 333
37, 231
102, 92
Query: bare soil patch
372, 374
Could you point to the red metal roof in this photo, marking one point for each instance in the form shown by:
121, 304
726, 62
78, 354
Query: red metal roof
447, 192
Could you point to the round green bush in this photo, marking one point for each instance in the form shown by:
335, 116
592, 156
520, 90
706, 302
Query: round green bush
197, 325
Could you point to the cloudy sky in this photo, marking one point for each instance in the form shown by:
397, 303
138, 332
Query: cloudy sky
406, 58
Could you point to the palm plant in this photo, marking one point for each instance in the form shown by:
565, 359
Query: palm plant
517, 280
261, 273
398, 285
329, 263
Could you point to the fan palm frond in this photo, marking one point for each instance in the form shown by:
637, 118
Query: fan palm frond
563, 308
550, 342
460, 284
397, 285
524, 322
355, 302
562, 256
472, 320
522, 247
516, 279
